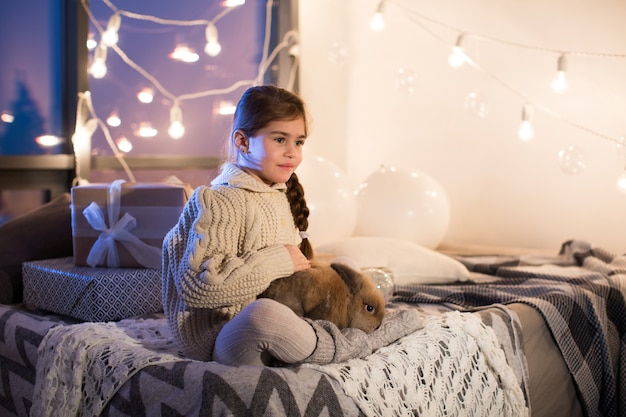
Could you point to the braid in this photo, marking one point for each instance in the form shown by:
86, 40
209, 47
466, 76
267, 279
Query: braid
299, 211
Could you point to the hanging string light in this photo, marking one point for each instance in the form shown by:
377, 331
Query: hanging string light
213, 47
98, 67
420, 19
559, 82
377, 23
176, 129
91, 41
457, 57
110, 36
575, 164
526, 131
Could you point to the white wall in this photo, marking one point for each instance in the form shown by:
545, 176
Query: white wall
502, 191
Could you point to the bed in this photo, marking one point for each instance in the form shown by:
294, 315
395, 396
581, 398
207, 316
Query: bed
518, 335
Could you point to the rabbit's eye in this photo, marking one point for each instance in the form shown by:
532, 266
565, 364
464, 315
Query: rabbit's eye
369, 308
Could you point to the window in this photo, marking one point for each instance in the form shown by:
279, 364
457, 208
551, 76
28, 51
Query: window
39, 79
158, 73
44, 68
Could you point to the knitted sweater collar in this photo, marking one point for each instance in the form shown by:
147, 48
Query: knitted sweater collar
233, 176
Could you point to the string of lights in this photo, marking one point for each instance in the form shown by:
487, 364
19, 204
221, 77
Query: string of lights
458, 57
87, 119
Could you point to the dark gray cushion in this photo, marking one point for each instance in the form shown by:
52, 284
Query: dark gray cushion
43, 233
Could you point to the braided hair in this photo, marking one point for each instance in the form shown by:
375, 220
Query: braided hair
300, 212
258, 106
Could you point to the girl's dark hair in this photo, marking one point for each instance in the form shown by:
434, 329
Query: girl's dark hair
299, 211
257, 107
263, 104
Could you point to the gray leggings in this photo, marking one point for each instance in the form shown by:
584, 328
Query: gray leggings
263, 330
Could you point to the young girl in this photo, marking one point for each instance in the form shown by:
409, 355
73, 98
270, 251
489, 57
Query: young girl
241, 233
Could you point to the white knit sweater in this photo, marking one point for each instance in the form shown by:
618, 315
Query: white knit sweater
227, 247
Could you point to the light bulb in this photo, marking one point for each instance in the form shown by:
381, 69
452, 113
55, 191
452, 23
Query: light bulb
91, 41
184, 53
114, 120
48, 141
7, 117
123, 144
378, 22
526, 131
146, 95
110, 35
457, 57
146, 130
176, 129
226, 108
559, 82
621, 183
213, 47
98, 68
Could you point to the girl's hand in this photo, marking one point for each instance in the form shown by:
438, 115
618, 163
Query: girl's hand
300, 262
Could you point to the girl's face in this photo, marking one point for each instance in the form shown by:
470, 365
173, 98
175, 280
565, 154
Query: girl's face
274, 152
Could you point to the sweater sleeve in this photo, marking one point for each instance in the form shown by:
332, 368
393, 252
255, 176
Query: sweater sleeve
206, 252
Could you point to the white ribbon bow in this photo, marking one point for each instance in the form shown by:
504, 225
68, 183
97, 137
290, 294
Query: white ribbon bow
105, 246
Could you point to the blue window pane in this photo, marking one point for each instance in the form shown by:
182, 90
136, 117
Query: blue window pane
30, 82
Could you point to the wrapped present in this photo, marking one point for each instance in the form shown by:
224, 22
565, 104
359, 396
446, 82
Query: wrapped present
91, 294
123, 224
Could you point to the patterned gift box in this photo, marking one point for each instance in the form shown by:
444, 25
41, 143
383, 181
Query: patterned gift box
91, 294
123, 224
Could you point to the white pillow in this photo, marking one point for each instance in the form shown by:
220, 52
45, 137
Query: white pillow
410, 263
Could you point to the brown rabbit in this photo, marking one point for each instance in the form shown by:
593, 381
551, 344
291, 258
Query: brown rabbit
333, 292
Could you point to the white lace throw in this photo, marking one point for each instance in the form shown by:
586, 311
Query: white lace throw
99, 357
452, 367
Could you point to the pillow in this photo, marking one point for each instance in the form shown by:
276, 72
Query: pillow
410, 263
42, 233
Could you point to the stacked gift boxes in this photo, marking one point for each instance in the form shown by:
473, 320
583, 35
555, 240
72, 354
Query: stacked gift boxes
117, 233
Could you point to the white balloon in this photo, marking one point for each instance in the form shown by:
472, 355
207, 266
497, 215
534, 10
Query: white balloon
403, 204
330, 197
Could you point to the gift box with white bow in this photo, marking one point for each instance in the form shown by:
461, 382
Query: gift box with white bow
123, 224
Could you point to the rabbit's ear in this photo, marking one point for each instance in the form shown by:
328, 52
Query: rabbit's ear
352, 278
